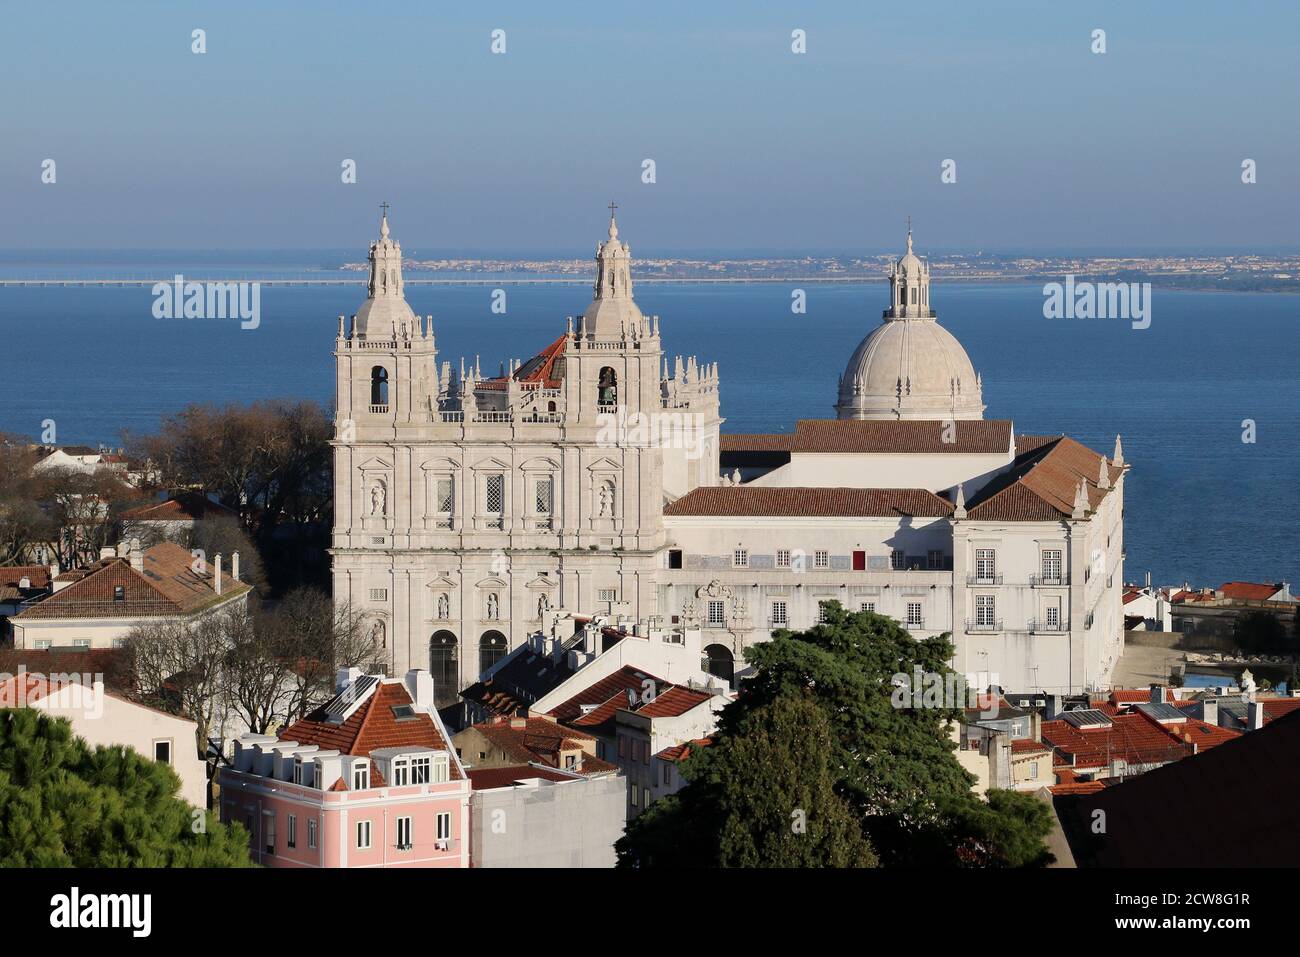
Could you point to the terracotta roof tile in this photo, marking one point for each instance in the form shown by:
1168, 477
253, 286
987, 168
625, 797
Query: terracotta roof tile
797, 501
371, 727
680, 752
168, 585
187, 506
1041, 483
1249, 591
880, 437
39, 575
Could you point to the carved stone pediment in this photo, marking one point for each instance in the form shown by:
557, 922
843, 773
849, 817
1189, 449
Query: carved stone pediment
714, 589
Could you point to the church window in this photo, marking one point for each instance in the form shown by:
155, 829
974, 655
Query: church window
543, 496
607, 594
897, 560
379, 389
444, 501
379, 594
494, 500
783, 558
985, 564
821, 559
821, 611
867, 606
934, 559
914, 617
780, 613
740, 558
985, 611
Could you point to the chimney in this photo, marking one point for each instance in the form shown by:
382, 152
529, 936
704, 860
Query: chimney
123, 549
54, 570
519, 723
1210, 711
24, 582
1255, 715
419, 684
137, 556
345, 678
1000, 761
216, 573
1157, 693
234, 566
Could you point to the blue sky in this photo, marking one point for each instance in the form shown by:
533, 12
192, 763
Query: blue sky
757, 149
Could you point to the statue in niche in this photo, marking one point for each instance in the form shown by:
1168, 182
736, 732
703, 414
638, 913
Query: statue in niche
493, 608
378, 499
606, 500
543, 606
444, 606
377, 633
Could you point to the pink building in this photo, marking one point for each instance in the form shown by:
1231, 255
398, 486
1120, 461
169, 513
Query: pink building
366, 780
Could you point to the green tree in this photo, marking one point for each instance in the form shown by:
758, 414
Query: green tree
763, 796
893, 766
65, 804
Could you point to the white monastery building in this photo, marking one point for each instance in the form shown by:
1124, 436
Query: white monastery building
594, 477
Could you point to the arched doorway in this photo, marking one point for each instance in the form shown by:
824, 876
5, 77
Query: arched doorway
491, 649
442, 666
721, 662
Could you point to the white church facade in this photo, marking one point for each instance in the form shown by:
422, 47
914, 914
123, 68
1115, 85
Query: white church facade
595, 478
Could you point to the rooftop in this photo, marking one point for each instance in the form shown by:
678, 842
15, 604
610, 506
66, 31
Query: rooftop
801, 502
867, 436
167, 585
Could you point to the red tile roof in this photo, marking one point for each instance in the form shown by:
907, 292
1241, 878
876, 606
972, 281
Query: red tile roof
1026, 746
545, 368
680, 752
1277, 707
542, 740
1130, 737
187, 506
1249, 591
39, 575
673, 703
799, 502
1120, 696
168, 585
603, 690
484, 779
979, 436
1041, 484
372, 726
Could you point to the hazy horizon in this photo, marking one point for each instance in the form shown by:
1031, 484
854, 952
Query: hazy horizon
758, 150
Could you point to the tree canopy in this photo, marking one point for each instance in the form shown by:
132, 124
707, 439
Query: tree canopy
892, 768
65, 804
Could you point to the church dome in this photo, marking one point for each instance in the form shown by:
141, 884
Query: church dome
910, 367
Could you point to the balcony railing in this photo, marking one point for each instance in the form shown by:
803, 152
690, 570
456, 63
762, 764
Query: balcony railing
1047, 627
380, 409
1041, 580
978, 626
983, 579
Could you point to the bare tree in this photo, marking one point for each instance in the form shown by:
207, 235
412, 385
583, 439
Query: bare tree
315, 639
258, 678
182, 665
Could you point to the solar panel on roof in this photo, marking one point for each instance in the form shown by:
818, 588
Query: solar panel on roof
1164, 713
339, 705
1088, 718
